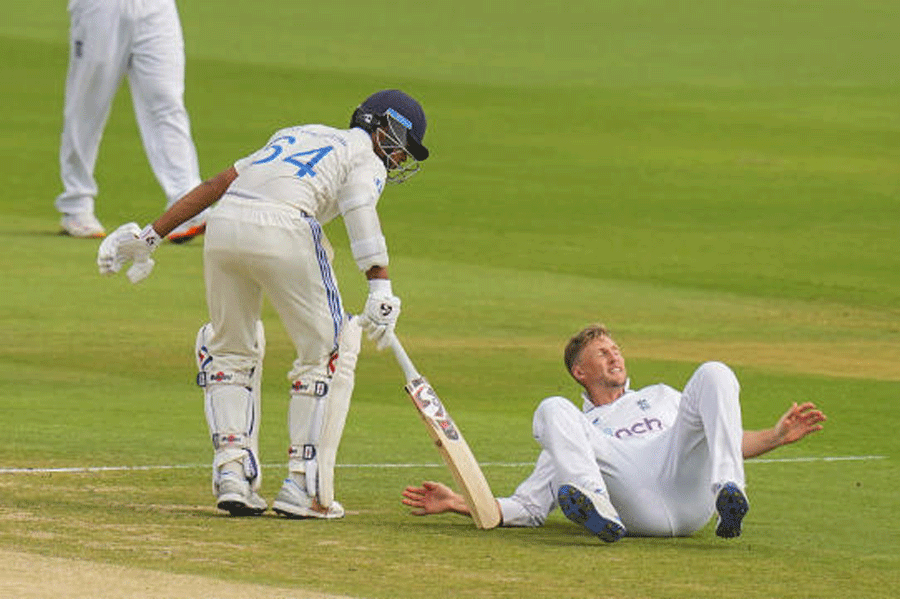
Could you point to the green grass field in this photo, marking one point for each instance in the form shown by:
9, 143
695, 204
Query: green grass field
713, 181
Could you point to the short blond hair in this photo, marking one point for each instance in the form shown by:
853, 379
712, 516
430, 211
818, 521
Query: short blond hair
577, 343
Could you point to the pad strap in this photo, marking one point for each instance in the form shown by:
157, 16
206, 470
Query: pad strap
206, 379
314, 387
235, 447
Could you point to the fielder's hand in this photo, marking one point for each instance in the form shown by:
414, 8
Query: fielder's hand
126, 244
798, 422
434, 498
380, 317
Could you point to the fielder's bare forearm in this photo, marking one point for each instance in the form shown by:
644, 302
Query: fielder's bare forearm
756, 443
798, 422
194, 202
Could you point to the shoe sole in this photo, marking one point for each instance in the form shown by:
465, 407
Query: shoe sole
285, 510
732, 506
294, 513
97, 235
580, 510
236, 506
186, 236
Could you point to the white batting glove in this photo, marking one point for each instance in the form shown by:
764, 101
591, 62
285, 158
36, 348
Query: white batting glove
379, 318
109, 259
127, 244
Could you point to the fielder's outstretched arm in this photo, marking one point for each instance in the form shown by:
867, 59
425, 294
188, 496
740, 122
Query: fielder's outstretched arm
798, 422
435, 498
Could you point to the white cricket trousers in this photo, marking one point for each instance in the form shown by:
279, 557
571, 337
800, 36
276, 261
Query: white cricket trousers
253, 248
664, 486
109, 39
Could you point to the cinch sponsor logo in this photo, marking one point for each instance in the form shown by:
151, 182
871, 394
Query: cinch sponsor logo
647, 425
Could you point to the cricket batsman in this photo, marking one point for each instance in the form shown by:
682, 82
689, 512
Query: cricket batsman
265, 237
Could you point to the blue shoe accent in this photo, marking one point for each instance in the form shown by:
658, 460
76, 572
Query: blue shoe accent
732, 505
579, 508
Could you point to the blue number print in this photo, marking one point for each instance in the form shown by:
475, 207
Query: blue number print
303, 168
276, 149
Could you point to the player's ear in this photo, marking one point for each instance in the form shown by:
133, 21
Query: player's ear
578, 373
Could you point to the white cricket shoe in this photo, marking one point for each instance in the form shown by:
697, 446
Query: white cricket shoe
293, 502
82, 224
188, 229
592, 510
235, 496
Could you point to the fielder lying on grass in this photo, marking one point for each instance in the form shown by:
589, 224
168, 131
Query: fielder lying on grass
649, 462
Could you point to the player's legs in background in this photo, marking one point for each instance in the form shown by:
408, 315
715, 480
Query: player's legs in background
99, 39
156, 77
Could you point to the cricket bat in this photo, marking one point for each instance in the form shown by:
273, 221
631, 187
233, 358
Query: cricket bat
450, 443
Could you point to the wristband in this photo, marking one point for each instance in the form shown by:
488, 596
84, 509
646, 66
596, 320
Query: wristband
150, 237
380, 287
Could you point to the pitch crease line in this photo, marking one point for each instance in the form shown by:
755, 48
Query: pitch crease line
90, 469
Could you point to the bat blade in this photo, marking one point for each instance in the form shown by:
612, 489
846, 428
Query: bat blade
451, 445
456, 453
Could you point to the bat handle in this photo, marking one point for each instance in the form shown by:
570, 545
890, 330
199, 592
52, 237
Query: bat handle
409, 369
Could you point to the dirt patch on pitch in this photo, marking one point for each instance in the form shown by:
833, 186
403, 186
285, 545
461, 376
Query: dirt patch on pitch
26, 576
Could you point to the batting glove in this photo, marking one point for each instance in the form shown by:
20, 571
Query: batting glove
127, 244
379, 318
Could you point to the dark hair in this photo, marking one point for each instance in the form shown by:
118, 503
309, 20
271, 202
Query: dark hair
580, 340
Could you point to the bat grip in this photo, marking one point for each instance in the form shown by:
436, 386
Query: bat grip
409, 369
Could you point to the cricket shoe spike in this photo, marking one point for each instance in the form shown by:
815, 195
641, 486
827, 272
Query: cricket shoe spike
237, 498
732, 506
83, 224
293, 502
591, 510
